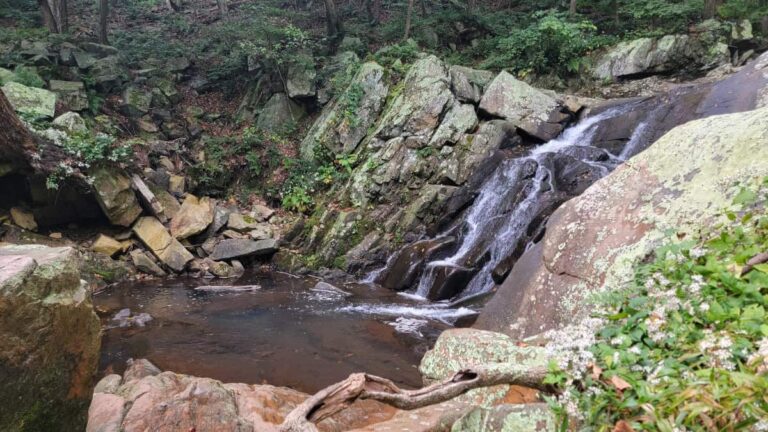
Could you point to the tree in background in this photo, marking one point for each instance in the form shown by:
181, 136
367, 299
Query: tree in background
103, 19
333, 22
55, 15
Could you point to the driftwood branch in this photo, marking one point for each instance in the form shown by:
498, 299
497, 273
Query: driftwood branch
755, 260
360, 386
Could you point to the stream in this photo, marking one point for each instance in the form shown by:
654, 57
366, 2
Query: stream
284, 333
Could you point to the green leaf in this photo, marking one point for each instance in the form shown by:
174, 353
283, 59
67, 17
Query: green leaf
745, 196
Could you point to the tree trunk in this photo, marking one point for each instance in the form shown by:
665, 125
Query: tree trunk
173, 7
408, 14
710, 8
373, 16
333, 22
16, 142
103, 18
572, 8
48, 17
223, 8
63, 16
359, 386
764, 25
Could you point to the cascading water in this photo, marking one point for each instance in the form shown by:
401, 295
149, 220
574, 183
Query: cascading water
490, 220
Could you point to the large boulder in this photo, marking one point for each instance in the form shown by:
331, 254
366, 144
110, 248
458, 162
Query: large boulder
29, 101
49, 339
279, 113
300, 79
72, 93
418, 107
344, 124
469, 84
166, 248
146, 399
193, 218
114, 194
671, 53
535, 112
235, 248
71, 122
593, 241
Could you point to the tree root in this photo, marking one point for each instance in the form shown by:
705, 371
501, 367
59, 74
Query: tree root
361, 386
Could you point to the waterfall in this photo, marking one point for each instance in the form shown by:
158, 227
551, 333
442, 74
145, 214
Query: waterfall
490, 220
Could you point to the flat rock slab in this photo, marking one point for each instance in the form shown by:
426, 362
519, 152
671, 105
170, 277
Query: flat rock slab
34, 102
234, 248
166, 248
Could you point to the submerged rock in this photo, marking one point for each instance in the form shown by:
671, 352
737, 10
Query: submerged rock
124, 318
49, 338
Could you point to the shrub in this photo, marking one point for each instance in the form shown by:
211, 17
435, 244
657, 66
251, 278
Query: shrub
28, 76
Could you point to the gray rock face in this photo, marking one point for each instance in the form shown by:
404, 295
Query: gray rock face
342, 127
300, 82
113, 192
279, 113
234, 248
145, 264
70, 122
49, 338
530, 109
30, 101
72, 93
469, 84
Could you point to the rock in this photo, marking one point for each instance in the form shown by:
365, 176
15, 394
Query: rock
239, 222
535, 417
166, 248
220, 219
592, 242
460, 119
6, 75
177, 64
114, 194
176, 184
408, 263
262, 232
49, 338
353, 44
107, 74
279, 113
124, 318
220, 269
136, 101
145, 264
262, 212
232, 234
235, 248
469, 84
326, 288
83, 60
147, 399
193, 218
99, 50
671, 53
300, 80
342, 127
170, 205
107, 245
29, 101
742, 31
147, 198
530, 109
417, 109
23, 219
71, 122
72, 93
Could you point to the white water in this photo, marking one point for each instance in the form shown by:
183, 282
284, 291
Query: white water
492, 201
435, 312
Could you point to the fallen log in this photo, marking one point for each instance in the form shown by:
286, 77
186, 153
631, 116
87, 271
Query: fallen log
361, 386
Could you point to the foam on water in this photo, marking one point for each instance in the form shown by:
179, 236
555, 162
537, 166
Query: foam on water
434, 312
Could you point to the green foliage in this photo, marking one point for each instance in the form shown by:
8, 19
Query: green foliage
686, 346
28, 76
350, 104
90, 149
398, 56
753, 10
553, 44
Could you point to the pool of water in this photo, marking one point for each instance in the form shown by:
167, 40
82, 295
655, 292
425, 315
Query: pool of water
283, 333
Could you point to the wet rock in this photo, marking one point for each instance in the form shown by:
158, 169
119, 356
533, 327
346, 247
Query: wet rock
71, 122
114, 194
29, 101
341, 131
124, 318
235, 248
409, 262
145, 264
219, 269
193, 218
328, 289
279, 113
530, 109
49, 338
23, 219
72, 93
166, 248
448, 281
592, 242
170, 402
107, 245
468, 84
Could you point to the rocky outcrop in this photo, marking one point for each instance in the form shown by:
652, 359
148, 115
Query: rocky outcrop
49, 339
145, 398
592, 242
530, 109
